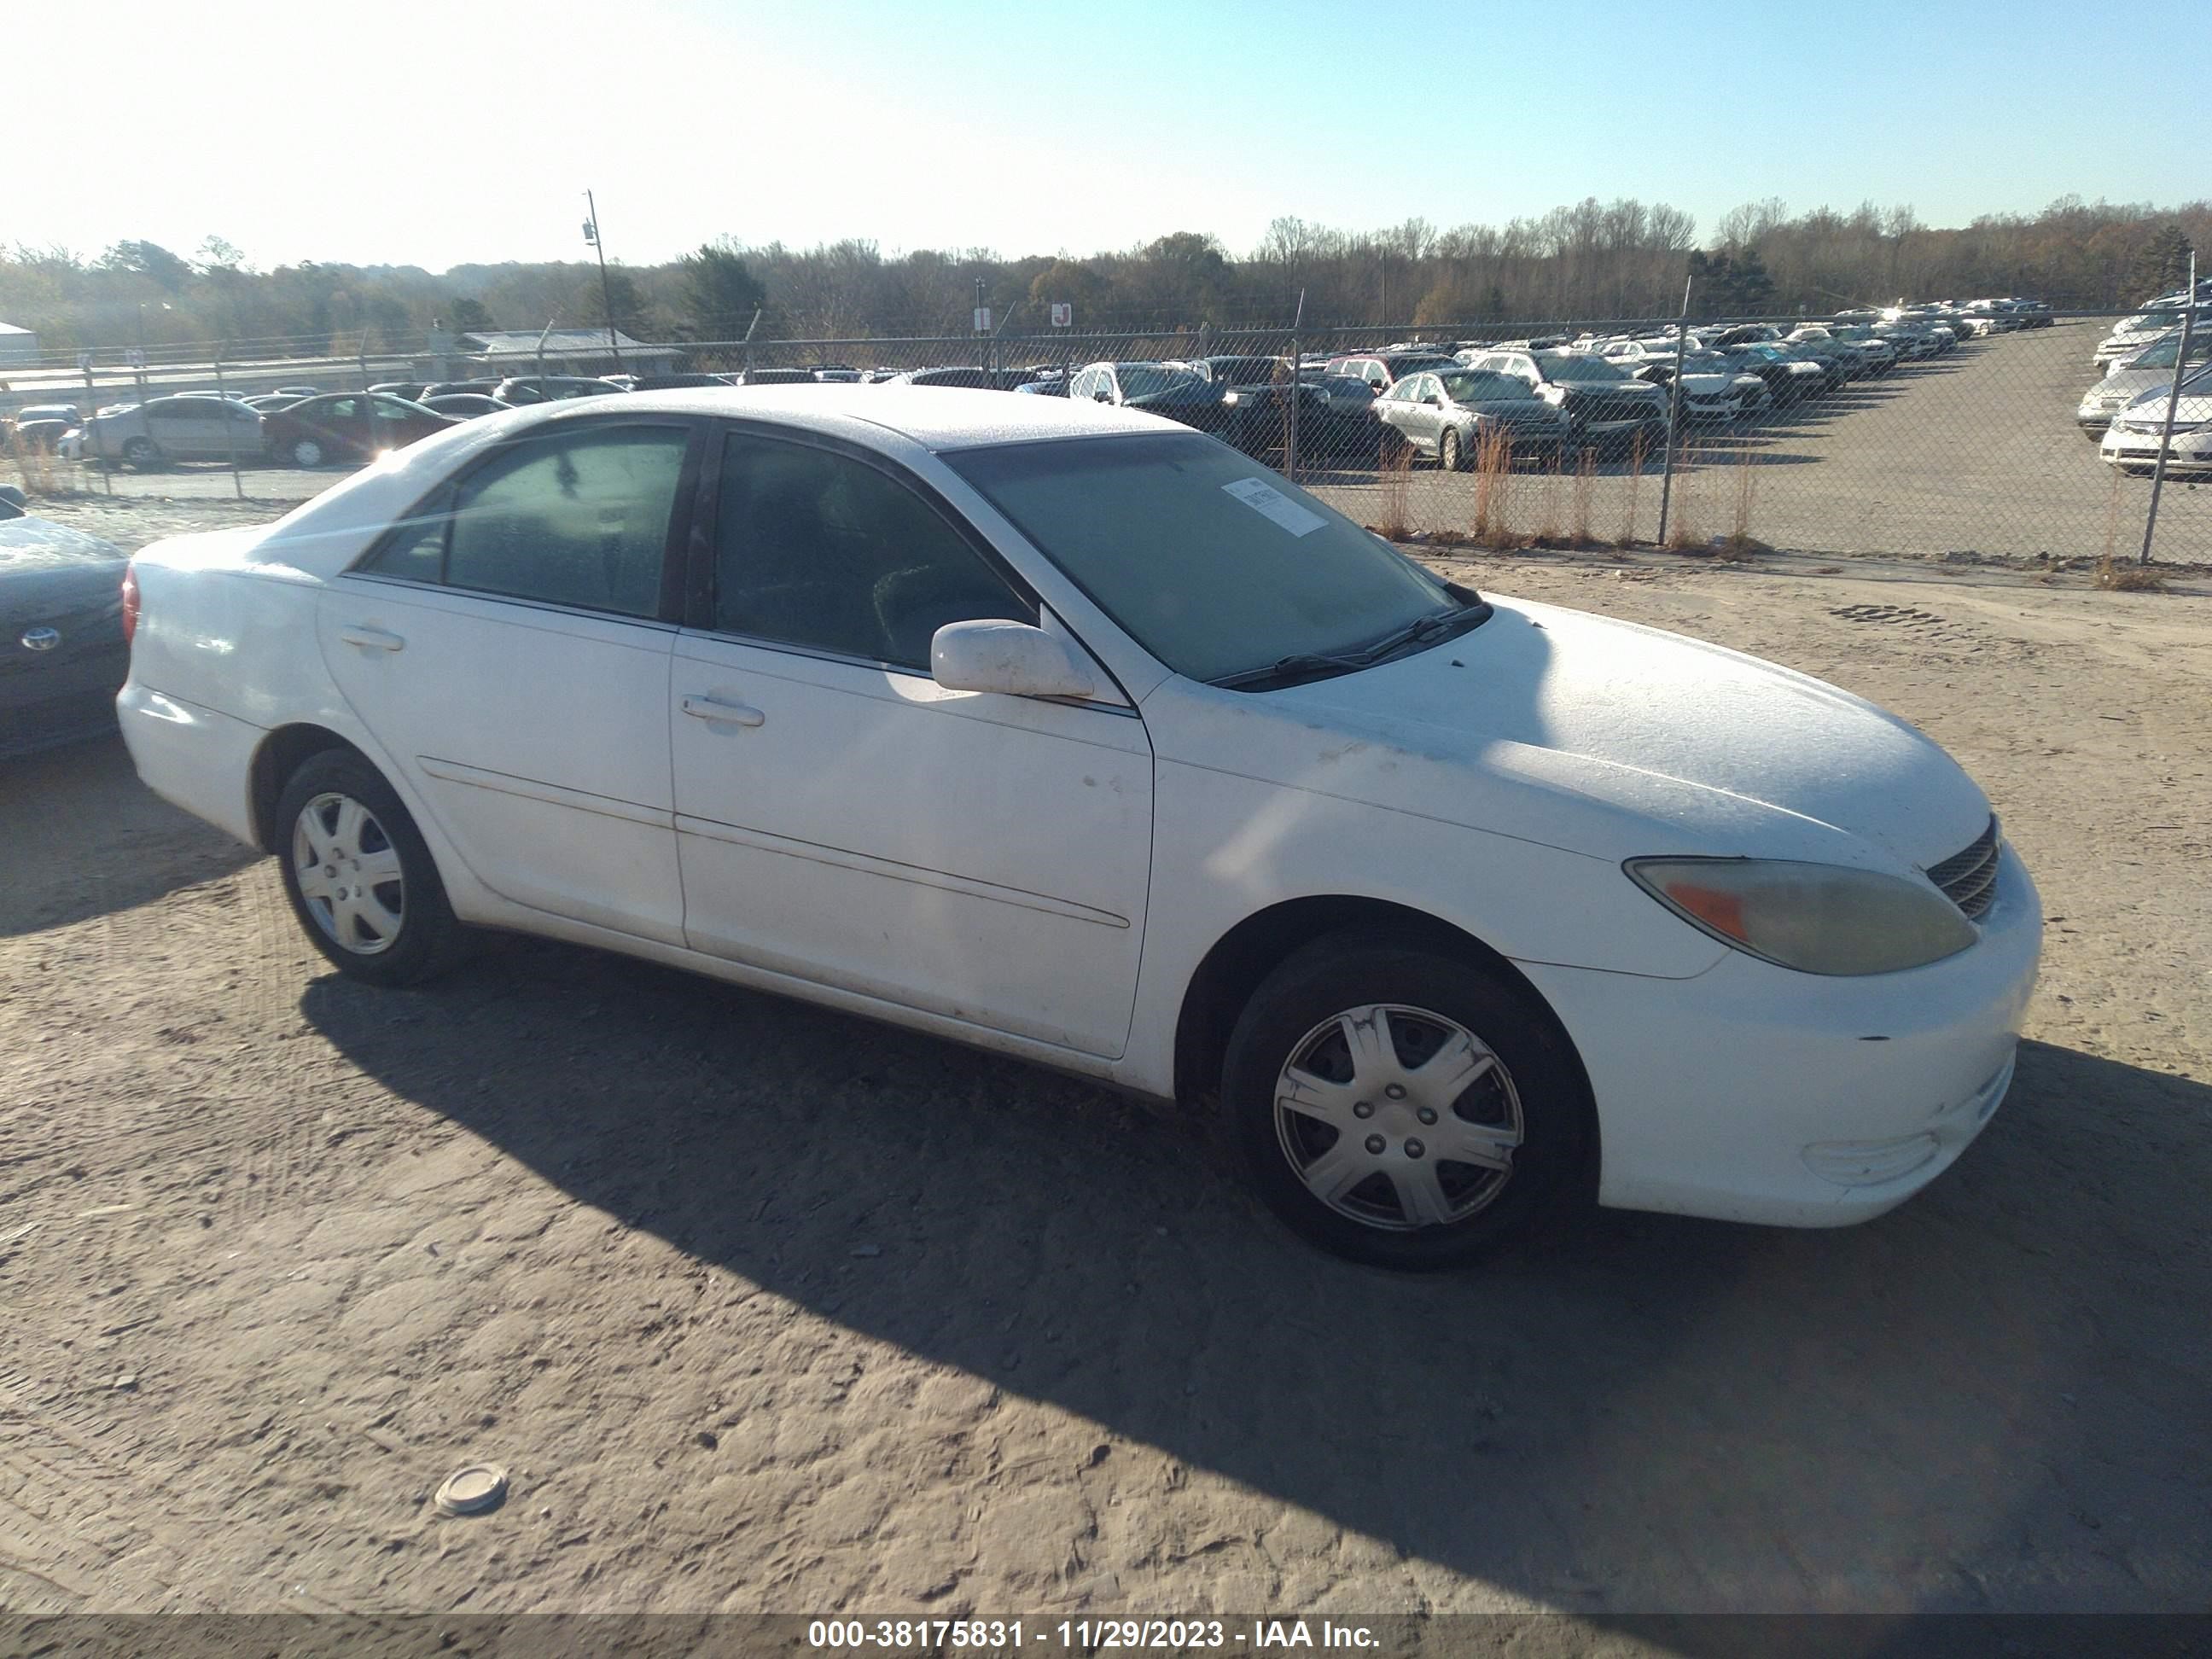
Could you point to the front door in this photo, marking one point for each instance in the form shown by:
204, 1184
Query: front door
843, 819
508, 650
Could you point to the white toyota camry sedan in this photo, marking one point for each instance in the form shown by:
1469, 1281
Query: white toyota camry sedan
1072, 734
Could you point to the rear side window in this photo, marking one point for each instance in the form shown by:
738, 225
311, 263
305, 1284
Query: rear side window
577, 519
816, 549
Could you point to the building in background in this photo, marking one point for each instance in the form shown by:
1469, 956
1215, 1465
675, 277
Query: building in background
19, 347
568, 351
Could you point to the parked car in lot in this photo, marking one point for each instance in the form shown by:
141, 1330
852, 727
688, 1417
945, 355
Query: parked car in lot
1608, 408
1242, 368
271, 400
410, 390
517, 390
40, 427
466, 405
1711, 391
1788, 380
1447, 414
1383, 370
1557, 886
2150, 370
455, 388
2132, 334
2131, 443
300, 391
775, 377
62, 656
1175, 390
349, 426
1337, 427
161, 430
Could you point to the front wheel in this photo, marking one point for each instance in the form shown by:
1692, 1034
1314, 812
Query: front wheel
1448, 451
359, 876
307, 452
140, 455
1401, 1107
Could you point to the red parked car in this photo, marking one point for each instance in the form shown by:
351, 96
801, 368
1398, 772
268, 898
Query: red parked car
347, 426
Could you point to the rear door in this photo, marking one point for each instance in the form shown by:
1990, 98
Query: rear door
507, 649
186, 429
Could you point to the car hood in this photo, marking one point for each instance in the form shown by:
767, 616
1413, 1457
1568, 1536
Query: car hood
2148, 409
1706, 385
1629, 741
2122, 387
48, 570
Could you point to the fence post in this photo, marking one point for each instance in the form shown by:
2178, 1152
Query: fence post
1291, 438
749, 327
229, 426
1674, 408
99, 438
2173, 403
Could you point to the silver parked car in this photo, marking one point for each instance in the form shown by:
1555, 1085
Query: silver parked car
192, 428
2151, 369
1449, 412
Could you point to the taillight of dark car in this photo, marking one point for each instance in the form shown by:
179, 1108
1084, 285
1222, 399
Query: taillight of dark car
130, 602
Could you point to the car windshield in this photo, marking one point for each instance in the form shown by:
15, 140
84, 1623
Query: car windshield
1144, 380
1580, 368
1479, 385
1213, 564
2167, 353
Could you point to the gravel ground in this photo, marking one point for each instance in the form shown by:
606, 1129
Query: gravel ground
770, 1308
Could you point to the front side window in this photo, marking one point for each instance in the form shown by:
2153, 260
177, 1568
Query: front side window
820, 550
578, 518
1213, 564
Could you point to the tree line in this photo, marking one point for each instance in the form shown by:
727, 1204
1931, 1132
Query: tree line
1590, 260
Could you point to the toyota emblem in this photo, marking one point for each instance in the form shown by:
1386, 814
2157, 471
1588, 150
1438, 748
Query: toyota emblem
41, 639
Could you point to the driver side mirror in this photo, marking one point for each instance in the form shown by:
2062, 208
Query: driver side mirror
1010, 658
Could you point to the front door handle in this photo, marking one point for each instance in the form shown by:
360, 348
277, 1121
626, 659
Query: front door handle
729, 714
371, 639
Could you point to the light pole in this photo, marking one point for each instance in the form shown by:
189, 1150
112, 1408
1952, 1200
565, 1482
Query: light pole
606, 291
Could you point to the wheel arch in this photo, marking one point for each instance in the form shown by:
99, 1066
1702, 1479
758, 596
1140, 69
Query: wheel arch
1240, 959
281, 753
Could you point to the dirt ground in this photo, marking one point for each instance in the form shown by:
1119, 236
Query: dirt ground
769, 1309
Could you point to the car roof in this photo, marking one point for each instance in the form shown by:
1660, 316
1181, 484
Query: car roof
938, 417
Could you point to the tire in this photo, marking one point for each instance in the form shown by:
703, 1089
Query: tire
306, 452
1448, 454
1526, 1111
140, 455
337, 814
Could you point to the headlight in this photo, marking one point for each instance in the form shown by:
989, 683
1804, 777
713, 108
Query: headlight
1229, 399
1815, 917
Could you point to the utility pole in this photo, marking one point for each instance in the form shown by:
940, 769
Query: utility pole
606, 291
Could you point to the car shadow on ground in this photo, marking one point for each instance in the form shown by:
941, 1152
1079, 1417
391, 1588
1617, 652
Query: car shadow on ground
1981, 1402
80, 836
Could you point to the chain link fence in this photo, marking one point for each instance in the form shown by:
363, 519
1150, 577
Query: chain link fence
2028, 440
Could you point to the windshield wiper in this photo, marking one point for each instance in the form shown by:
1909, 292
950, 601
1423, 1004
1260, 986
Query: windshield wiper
1314, 665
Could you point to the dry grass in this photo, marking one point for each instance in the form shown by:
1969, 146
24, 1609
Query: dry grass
1578, 526
2129, 578
1547, 520
1493, 490
2113, 519
1396, 479
35, 467
1627, 537
1685, 530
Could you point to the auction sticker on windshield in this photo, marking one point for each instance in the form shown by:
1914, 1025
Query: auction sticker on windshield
1273, 504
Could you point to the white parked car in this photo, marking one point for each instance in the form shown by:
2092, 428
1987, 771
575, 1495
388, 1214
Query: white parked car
1070, 733
2131, 443
2128, 378
2132, 334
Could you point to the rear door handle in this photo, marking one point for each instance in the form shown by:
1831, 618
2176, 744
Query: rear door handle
731, 713
371, 639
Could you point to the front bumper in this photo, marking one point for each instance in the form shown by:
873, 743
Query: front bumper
2191, 451
1752, 1093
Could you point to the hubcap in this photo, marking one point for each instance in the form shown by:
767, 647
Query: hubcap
349, 874
1397, 1117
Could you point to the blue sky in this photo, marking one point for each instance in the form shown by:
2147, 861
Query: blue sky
433, 134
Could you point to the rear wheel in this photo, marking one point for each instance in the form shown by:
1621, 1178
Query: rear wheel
306, 452
140, 455
359, 876
1402, 1107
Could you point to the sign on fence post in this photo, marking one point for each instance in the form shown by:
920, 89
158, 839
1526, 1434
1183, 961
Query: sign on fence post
1063, 316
